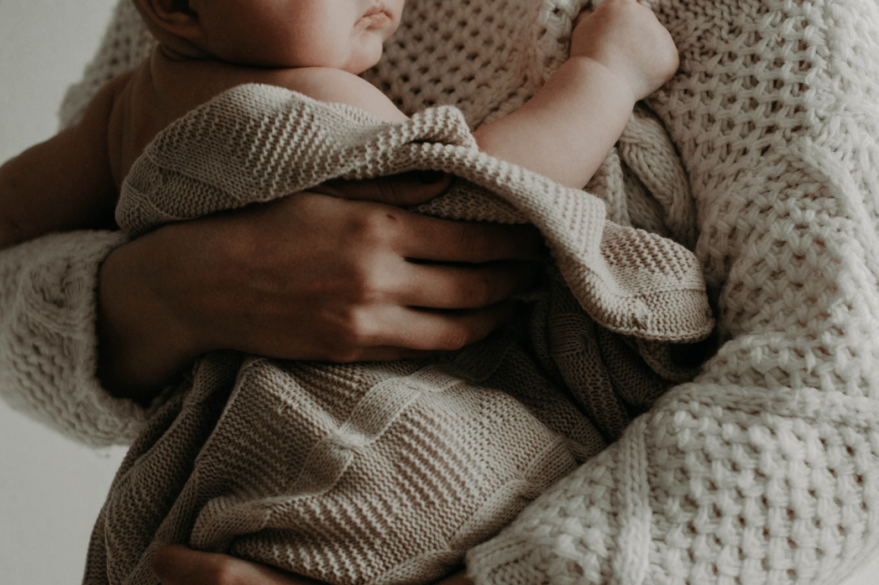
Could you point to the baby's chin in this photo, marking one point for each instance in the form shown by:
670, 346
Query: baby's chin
363, 60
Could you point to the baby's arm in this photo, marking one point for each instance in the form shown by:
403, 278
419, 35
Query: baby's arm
63, 183
619, 54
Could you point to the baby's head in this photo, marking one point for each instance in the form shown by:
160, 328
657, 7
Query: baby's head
342, 34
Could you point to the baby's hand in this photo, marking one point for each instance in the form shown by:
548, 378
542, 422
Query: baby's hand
625, 37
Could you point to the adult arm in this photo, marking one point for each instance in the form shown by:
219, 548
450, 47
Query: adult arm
765, 468
62, 183
193, 287
178, 565
311, 276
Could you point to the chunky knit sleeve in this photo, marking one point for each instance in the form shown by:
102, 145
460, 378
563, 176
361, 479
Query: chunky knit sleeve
48, 342
764, 469
47, 294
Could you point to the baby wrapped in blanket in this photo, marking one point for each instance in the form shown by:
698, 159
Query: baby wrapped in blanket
386, 472
763, 469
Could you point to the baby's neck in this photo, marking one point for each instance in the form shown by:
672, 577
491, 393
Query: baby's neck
181, 52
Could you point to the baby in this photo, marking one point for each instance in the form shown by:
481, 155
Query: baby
619, 54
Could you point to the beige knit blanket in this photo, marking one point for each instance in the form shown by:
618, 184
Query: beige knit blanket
384, 473
763, 469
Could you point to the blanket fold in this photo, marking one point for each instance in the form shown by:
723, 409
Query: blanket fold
761, 469
274, 142
387, 473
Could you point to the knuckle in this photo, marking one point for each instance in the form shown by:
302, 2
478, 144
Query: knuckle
373, 227
364, 286
477, 293
353, 334
454, 338
220, 571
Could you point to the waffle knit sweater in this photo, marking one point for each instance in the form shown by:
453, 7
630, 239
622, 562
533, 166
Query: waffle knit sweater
763, 469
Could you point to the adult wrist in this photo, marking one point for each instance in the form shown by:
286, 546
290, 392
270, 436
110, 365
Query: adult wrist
142, 346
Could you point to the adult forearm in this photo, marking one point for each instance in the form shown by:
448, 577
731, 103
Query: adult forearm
142, 346
307, 277
61, 184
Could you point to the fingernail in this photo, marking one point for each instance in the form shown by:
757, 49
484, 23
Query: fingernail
430, 177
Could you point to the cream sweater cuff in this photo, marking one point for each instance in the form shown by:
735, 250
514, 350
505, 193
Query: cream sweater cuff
48, 340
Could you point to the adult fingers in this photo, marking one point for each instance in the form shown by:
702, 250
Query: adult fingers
442, 286
420, 330
178, 565
401, 190
421, 237
439, 240
450, 331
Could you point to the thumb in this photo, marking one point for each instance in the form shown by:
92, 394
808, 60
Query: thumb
178, 565
403, 190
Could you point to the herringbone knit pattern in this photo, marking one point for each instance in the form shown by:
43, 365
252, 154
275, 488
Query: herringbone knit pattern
372, 473
763, 470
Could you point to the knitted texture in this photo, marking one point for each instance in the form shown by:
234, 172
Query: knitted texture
257, 143
377, 473
48, 347
764, 469
48, 341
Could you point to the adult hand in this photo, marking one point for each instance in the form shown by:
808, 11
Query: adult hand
178, 565
310, 276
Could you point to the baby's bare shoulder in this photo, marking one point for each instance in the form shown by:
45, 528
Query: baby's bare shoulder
191, 83
333, 85
98, 111
316, 81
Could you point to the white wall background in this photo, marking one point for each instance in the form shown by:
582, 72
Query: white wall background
50, 488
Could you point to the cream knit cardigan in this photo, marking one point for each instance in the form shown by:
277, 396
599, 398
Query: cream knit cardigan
761, 470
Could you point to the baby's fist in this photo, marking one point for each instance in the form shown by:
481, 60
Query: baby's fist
625, 37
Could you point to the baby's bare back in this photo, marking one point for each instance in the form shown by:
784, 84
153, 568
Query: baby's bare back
163, 89
72, 180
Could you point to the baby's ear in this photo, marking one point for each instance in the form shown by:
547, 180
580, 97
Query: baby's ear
173, 16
